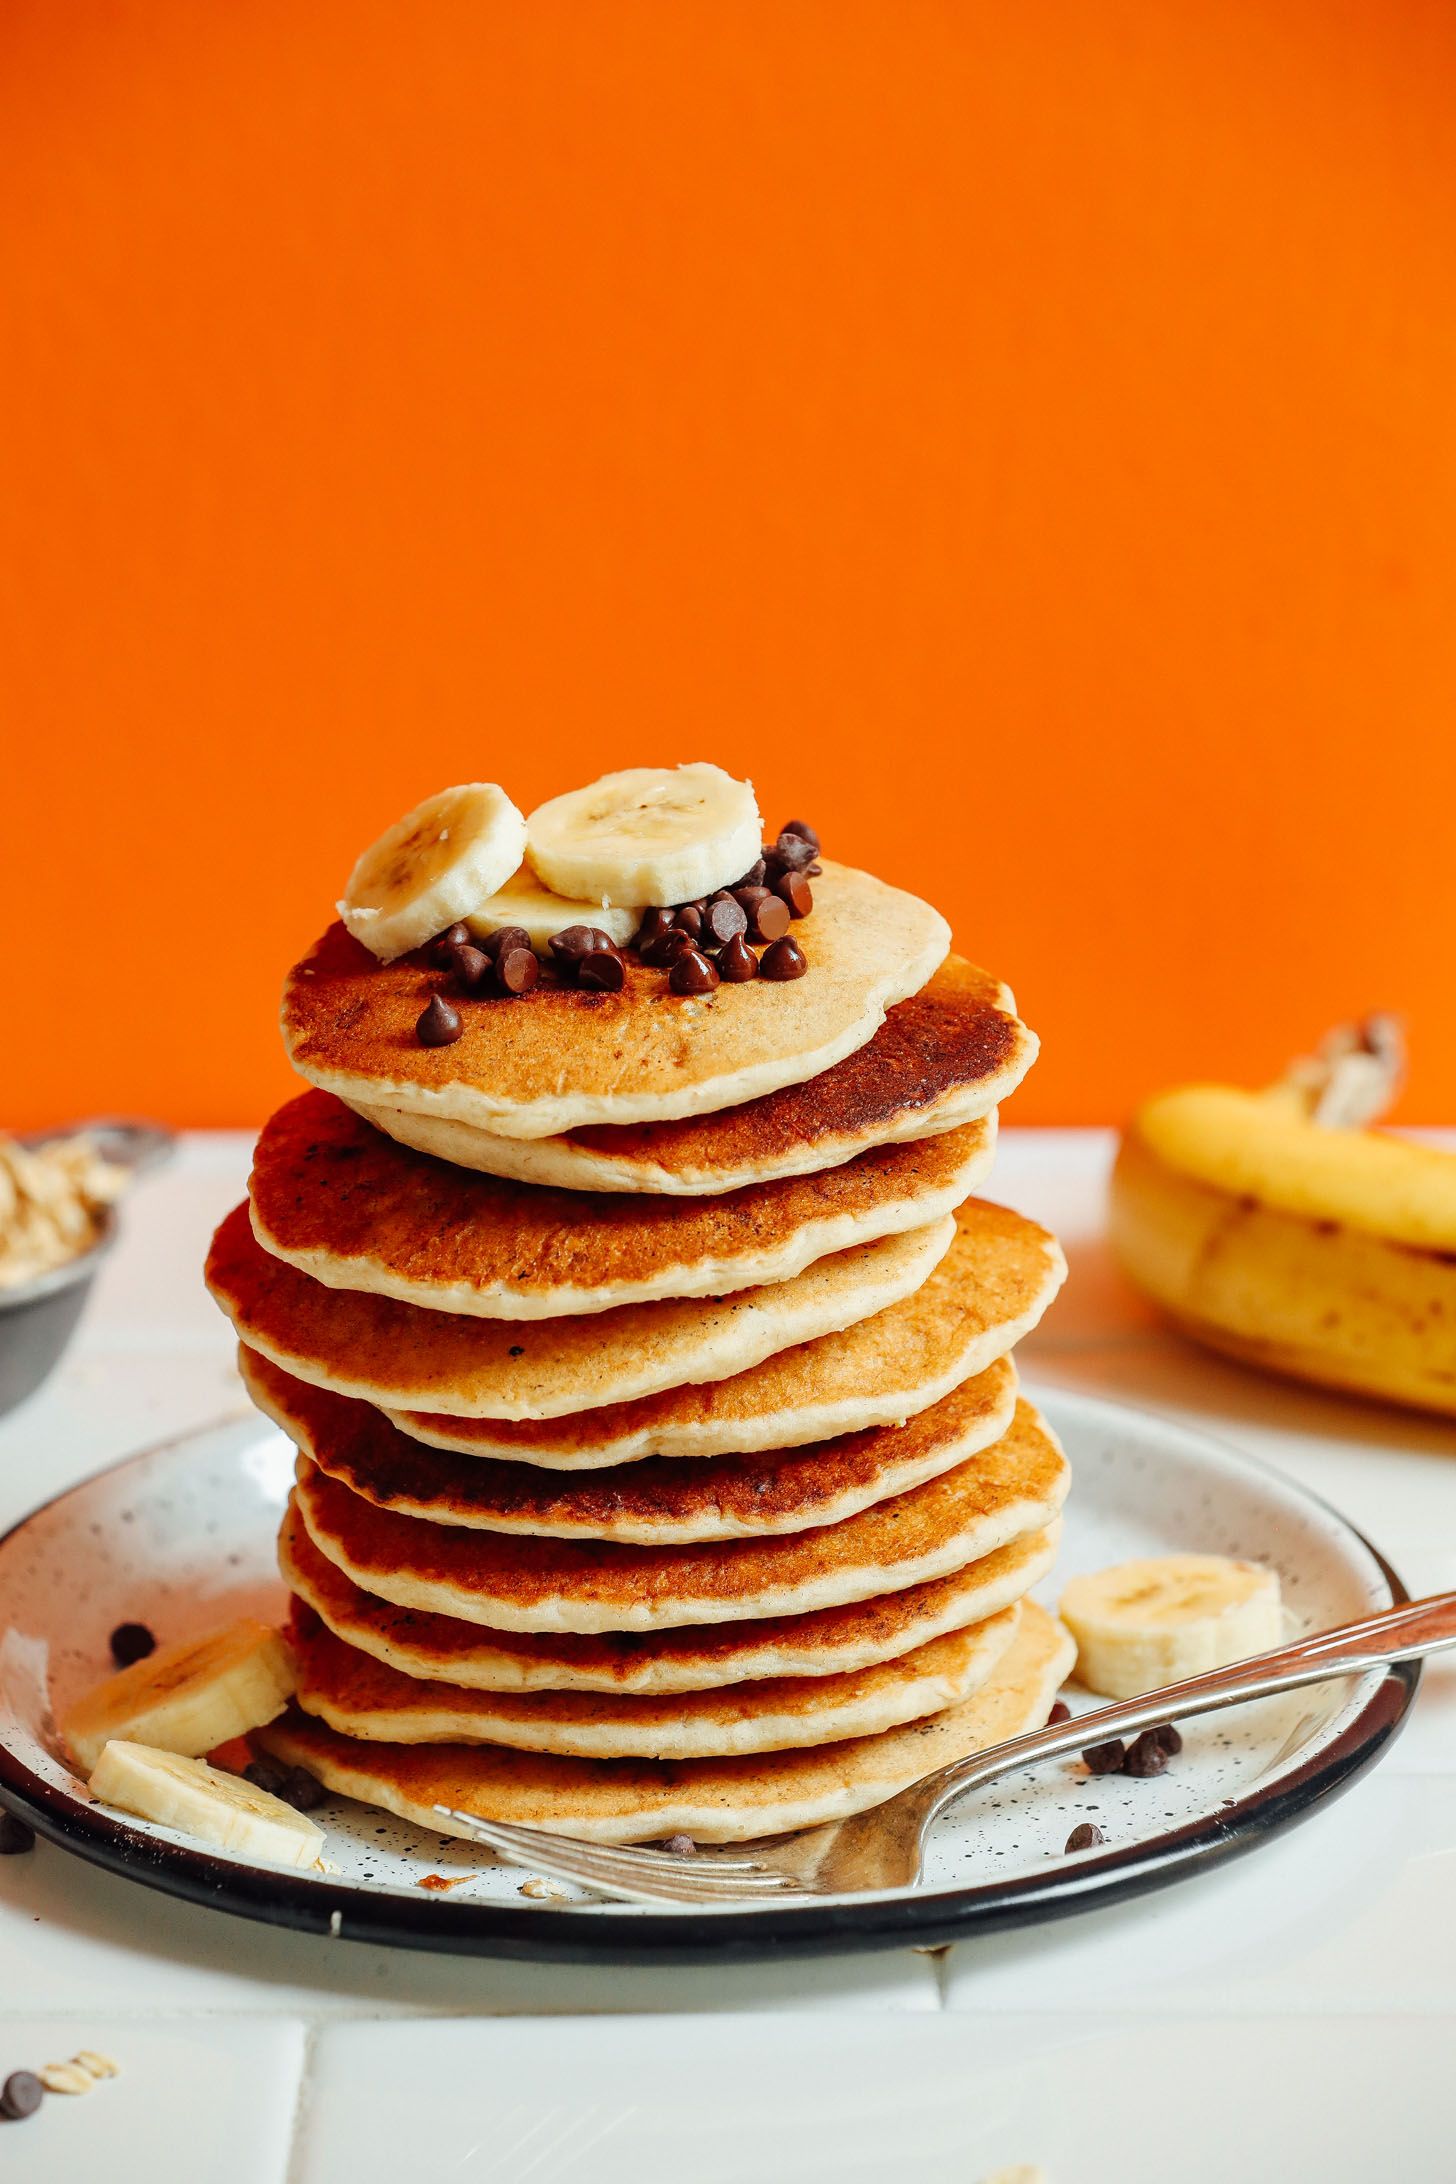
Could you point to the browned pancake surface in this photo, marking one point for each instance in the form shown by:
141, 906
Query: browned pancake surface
447, 1649
559, 1057
524, 1582
358, 1211
779, 1491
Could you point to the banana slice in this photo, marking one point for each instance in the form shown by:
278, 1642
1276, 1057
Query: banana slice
652, 835
189, 1697
525, 902
199, 1800
432, 867
1144, 1624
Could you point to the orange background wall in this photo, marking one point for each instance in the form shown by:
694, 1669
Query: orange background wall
1023, 438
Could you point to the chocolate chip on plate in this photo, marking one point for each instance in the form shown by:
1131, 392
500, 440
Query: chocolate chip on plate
1168, 1737
794, 889
785, 959
1105, 1758
473, 969
21, 2095
517, 969
692, 973
443, 946
737, 961
603, 971
1060, 1712
304, 1790
15, 1837
1085, 1837
1146, 1755
723, 920
131, 1642
439, 1025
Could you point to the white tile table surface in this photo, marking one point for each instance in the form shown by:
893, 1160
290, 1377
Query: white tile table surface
1289, 2017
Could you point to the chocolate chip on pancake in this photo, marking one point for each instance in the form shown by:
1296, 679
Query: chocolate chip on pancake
439, 1025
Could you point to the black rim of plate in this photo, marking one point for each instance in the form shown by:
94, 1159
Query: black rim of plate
627, 1935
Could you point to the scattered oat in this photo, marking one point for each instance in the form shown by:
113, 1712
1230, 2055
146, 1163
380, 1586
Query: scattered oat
100, 2066
65, 2078
544, 1891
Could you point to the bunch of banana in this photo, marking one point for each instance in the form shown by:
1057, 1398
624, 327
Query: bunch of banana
1280, 1227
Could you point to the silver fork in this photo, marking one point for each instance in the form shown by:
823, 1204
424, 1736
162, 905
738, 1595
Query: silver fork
883, 1848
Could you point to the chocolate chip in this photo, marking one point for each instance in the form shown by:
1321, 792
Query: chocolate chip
654, 923
473, 969
1106, 1758
791, 852
443, 946
663, 952
1085, 1837
517, 969
440, 1025
805, 832
812, 871
1168, 1737
772, 918
505, 936
575, 941
131, 1642
681, 1846
689, 920
20, 2096
1060, 1712
15, 1837
753, 877
723, 920
794, 889
1145, 1755
785, 959
602, 972
304, 1790
737, 961
266, 1774
692, 973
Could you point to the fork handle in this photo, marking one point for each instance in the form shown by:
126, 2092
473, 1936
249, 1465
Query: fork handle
1402, 1633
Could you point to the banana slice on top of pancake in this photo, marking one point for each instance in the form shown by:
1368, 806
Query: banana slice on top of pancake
438, 863
653, 835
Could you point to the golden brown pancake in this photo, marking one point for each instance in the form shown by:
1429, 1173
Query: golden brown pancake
359, 1697
560, 1059
989, 1290
945, 1057
333, 1197
713, 1800
835, 1641
652, 1503
402, 1358
522, 1583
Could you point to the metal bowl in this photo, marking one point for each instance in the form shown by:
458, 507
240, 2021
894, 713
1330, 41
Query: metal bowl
38, 1318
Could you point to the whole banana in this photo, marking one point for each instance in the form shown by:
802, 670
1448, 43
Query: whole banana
1277, 1226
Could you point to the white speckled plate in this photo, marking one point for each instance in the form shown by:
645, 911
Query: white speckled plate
181, 1537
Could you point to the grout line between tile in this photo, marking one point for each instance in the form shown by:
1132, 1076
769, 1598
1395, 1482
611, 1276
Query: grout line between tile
302, 2102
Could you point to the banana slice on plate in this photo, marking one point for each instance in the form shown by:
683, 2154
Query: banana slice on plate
199, 1800
651, 836
1144, 1624
433, 867
525, 902
189, 1697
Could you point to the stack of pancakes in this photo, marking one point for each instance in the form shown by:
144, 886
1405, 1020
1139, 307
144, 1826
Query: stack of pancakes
661, 1462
